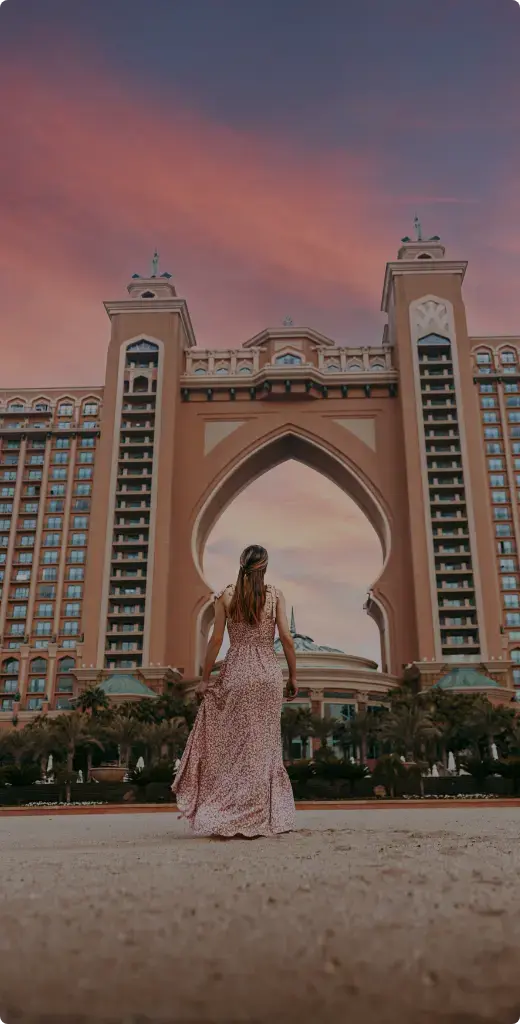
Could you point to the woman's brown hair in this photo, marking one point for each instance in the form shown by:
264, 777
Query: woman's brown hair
249, 598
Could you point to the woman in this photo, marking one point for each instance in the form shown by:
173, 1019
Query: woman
231, 780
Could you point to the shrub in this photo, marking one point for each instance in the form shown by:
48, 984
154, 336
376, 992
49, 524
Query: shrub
162, 772
12, 775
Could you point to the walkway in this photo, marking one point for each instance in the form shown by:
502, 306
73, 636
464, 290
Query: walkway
411, 916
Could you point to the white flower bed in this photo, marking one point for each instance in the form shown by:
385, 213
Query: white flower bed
73, 803
455, 796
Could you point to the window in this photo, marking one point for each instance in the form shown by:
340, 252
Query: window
483, 358
47, 590
507, 565
72, 609
34, 474
52, 540
90, 425
490, 417
71, 628
507, 357
50, 557
90, 409
513, 416
515, 655
490, 432
57, 490
79, 539
80, 522
49, 574
37, 685
19, 611
493, 449
486, 388
83, 489
75, 573
488, 403
59, 474
54, 523
84, 473
77, 556
513, 402
499, 497
8, 475
36, 460
288, 359
509, 583
25, 557
43, 628
506, 547
21, 593
44, 610
87, 442
17, 628
68, 644
6, 508
503, 529
74, 591
27, 541
56, 506
29, 524
81, 505
497, 479
61, 458
5, 524
11, 460
512, 618
62, 442
500, 513
511, 601
86, 456
34, 704
7, 492
65, 409
495, 463
23, 575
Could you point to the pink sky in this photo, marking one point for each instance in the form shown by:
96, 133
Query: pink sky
253, 226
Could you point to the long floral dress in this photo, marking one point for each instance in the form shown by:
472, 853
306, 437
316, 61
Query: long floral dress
231, 779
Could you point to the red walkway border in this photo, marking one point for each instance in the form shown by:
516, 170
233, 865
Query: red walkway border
307, 805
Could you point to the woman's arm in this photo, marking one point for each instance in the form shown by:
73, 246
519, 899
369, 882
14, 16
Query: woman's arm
287, 643
215, 643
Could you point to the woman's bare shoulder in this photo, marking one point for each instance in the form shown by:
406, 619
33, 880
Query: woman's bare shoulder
225, 592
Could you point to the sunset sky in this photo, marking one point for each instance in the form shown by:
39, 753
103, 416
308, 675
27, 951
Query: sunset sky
275, 151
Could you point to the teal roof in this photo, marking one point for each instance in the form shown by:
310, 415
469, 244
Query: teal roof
464, 679
123, 684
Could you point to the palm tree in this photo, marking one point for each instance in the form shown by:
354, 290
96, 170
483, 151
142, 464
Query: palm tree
409, 728
488, 723
93, 700
166, 739
126, 732
322, 729
42, 741
72, 731
343, 734
295, 723
362, 728
16, 744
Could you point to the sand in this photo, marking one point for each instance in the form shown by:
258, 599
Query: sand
409, 916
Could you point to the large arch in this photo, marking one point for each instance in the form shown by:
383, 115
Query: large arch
287, 443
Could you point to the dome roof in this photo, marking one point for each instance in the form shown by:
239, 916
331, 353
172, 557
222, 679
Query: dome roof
304, 644
464, 679
123, 684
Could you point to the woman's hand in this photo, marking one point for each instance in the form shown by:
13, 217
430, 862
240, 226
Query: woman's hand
201, 688
291, 690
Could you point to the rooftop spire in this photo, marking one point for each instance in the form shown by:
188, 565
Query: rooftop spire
155, 263
293, 624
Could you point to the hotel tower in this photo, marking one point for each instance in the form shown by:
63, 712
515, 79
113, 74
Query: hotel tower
108, 494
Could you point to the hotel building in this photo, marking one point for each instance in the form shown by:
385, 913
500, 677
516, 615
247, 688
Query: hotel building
108, 493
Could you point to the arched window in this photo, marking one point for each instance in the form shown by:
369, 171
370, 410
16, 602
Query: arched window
245, 369
16, 406
141, 384
354, 368
433, 339
222, 370
484, 361
42, 407
38, 665
424, 256
65, 409
11, 666
143, 346
199, 370
515, 655
288, 359
377, 366
90, 409
65, 664
148, 295
333, 368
